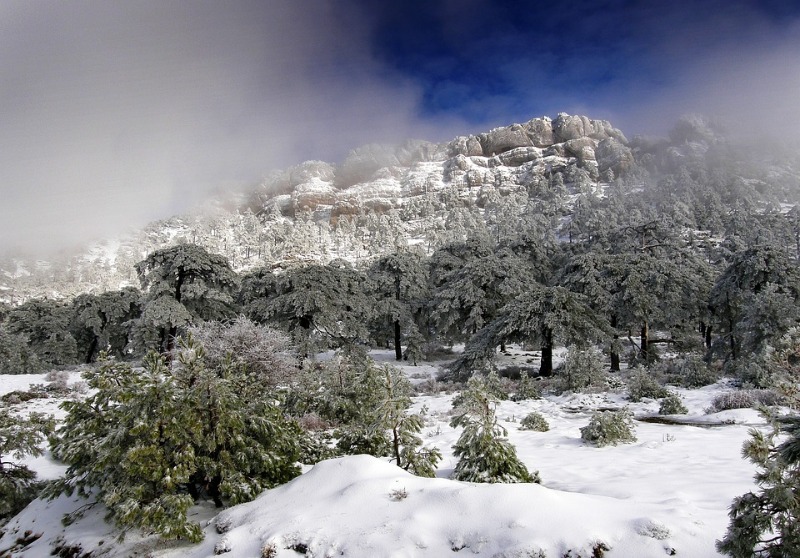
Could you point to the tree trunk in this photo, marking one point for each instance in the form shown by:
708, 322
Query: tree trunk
546, 368
614, 342
644, 346
91, 351
396, 444
708, 337
173, 330
398, 349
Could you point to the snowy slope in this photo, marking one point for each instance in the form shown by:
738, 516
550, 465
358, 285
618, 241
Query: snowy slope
667, 492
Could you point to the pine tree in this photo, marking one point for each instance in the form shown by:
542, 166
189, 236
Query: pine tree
184, 284
380, 424
103, 322
125, 445
45, 323
400, 289
19, 437
767, 522
323, 306
542, 314
484, 452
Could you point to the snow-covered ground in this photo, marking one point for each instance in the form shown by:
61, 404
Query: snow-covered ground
666, 494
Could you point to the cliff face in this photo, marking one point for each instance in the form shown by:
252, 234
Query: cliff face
380, 178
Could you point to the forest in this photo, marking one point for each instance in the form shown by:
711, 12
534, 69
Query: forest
681, 268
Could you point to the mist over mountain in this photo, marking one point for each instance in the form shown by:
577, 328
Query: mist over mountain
382, 198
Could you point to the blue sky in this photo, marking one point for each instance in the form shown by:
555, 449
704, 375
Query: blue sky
116, 113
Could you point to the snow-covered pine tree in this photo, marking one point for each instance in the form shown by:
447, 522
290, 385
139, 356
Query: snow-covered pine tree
124, 446
484, 452
184, 284
380, 424
19, 437
766, 522
401, 287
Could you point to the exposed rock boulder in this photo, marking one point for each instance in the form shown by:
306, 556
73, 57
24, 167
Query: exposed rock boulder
612, 154
581, 148
503, 139
567, 127
469, 146
540, 131
520, 155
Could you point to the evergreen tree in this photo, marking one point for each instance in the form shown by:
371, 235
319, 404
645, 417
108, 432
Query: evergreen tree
484, 453
124, 446
471, 296
540, 315
16, 354
103, 322
45, 323
184, 284
19, 437
256, 289
401, 286
329, 301
750, 272
767, 522
379, 423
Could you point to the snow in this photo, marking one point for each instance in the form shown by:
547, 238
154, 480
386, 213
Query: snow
668, 492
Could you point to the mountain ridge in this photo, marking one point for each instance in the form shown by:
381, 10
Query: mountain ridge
381, 198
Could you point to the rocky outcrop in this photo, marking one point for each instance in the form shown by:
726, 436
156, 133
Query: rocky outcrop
612, 154
577, 136
566, 127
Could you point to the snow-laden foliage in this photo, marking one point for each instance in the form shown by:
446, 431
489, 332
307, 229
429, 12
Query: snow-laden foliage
44, 323
583, 369
483, 450
379, 423
322, 306
16, 355
183, 284
102, 322
672, 405
262, 353
534, 421
19, 438
609, 428
150, 441
766, 522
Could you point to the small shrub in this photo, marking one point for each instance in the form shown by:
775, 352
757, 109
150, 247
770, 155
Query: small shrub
609, 428
751, 370
58, 381
17, 396
398, 494
526, 389
269, 550
643, 385
583, 369
688, 371
534, 421
672, 405
744, 399
483, 450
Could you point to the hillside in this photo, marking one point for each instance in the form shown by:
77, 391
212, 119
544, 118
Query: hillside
384, 197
